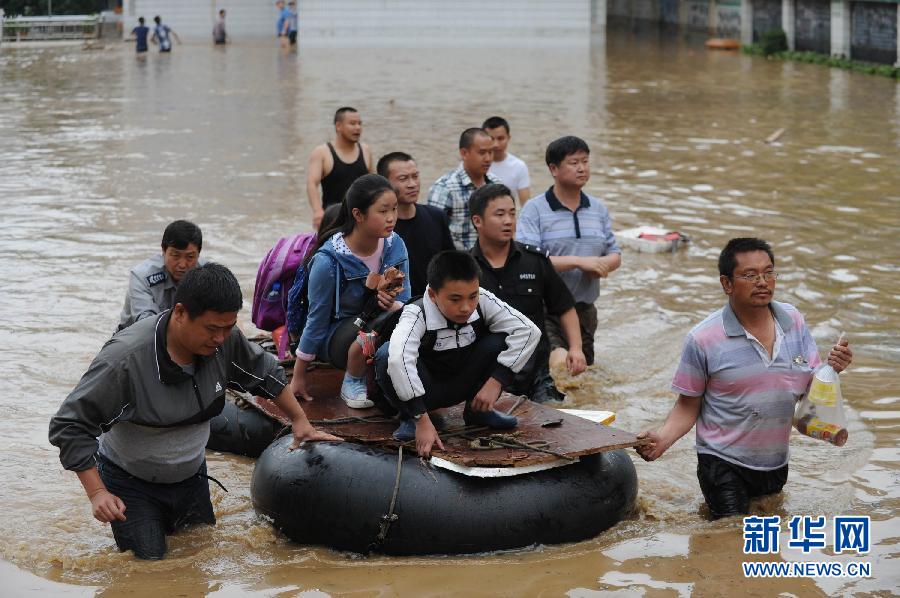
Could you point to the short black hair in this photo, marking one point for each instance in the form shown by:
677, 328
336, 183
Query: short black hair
494, 122
451, 265
340, 112
564, 147
180, 234
157, 19
141, 20
727, 259
385, 161
468, 136
210, 287
479, 200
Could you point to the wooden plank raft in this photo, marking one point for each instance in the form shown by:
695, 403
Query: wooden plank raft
551, 434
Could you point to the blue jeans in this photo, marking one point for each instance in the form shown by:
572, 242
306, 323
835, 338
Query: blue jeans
444, 392
153, 511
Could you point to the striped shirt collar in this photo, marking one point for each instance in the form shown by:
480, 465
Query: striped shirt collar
555, 204
733, 327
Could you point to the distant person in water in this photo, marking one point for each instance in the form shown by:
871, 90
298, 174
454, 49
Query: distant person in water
153, 282
336, 164
220, 36
292, 23
139, 35
163, 34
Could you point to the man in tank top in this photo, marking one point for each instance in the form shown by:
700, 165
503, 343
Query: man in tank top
335, 165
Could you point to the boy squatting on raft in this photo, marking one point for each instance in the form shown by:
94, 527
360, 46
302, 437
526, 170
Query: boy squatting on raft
458, 342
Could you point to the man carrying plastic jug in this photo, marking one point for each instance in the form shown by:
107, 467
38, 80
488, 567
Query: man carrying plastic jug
742, 370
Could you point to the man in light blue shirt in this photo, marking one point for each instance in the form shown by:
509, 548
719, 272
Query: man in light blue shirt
576, 230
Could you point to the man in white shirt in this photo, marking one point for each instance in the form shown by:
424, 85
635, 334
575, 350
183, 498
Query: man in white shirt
507, 167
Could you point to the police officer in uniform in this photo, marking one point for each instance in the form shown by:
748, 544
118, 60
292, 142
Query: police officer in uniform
523, 276
152, 285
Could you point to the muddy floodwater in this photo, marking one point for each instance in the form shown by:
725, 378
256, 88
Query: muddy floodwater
99, 150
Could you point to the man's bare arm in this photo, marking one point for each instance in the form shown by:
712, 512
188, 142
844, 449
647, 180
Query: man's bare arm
314, 175
680, 421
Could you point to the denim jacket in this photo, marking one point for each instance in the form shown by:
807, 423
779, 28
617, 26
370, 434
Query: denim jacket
337, 286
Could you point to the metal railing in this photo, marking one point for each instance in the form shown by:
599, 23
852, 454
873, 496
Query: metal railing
17, 29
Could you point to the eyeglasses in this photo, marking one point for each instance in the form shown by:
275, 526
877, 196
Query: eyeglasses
754, 278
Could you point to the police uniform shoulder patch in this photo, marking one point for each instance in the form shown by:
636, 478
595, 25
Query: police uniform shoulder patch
156, 278
536, 250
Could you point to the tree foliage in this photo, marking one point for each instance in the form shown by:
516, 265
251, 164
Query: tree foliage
38, 8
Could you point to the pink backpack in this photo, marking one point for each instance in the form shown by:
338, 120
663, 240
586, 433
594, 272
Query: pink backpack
276, 276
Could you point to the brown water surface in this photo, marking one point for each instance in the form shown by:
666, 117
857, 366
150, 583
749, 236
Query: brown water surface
99, 150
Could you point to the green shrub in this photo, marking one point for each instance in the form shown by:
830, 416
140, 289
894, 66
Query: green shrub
772, 42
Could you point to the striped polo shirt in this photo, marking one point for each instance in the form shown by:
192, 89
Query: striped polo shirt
546, 223
748, 397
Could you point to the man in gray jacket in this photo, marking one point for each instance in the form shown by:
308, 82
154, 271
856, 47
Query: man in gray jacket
152, 285
135, 427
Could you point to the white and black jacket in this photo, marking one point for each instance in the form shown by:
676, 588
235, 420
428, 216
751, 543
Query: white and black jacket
423, 320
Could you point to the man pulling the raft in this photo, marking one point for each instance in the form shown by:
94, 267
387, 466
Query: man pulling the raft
456, 343
741, 373
148, 397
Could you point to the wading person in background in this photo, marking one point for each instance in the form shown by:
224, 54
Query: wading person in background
523, 277
451, 192
220, 36
742, 370
153, 282
336, 164
139, 35
135, 427
457, 343
424, 229
508, 168
163, 34
576, 230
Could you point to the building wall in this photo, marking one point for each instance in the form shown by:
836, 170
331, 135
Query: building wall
812, 32
766, 16
380, 22
697, 14
670, 11
193, 19
873, 31
728, 18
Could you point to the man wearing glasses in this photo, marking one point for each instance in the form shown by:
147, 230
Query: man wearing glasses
741, 373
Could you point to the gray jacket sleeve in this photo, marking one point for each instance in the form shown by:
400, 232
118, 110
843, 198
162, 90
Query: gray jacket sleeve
140, 302
97, 402
252, 369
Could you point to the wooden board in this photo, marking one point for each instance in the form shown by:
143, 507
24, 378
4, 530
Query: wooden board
563, 434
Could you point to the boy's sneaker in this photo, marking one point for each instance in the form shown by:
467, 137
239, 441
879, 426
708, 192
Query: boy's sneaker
492, 419
406, 431
354, 393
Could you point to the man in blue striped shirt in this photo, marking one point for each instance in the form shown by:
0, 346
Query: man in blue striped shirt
575, 229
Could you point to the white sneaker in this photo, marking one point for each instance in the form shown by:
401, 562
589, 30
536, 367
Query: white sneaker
354, 393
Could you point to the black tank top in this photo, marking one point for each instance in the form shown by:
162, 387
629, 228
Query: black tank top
342, 175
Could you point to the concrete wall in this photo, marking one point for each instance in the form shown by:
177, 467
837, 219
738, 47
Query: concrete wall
873, 31
193, 19
766, 16
382, 22
443, 23
812, 32
728, 18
